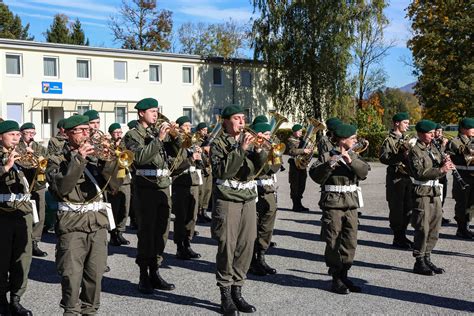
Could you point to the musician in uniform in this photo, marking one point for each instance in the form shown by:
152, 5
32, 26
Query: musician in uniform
94, 119
339, 172
441, 142
56, 143
15, 223
38, 190
133, 216
266, 208
187, 177
119, 199
77, 181
152, 193
427, 167
325, 143
461, 149
234, 164
393, 153
205, 190
296, 176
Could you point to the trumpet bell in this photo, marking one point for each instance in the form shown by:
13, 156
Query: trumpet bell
125, 158
279, 149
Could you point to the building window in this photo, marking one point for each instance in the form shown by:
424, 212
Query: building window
121, 114
81, 109
155, 73
50, 65
120, 70
83, 68
46, 116
187, 74
245, 78
15, 112
217, 76
13, 64
189, 113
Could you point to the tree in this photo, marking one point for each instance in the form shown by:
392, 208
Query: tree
58, 32
141, 26
306, 47
11, 26
77, 34
222, 39
442, 53
396, 100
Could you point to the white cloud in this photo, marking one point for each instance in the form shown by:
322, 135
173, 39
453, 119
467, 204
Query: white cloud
72, 14
71, 4
214, 13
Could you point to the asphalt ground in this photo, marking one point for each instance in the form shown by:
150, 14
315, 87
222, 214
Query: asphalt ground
302, 284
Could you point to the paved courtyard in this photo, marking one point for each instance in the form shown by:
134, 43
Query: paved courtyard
301, 286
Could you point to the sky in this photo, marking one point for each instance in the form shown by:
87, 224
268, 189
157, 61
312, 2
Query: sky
95, 14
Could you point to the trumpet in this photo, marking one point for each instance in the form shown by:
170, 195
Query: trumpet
359, 147
30, 160
173, 131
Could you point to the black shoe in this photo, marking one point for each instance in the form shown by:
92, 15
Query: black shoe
200, 219
17, 309
133, 225
114, 240
196, 233
144, 284
431, 265
257, 269
263, 263
191, 253
402, 243
464, 233
420, 267
445, 221
338, 286
122, 239
227, 304
240, 302
38, 252
347, 282
206, 218
181, 252
158, 282
107, 269
272, 244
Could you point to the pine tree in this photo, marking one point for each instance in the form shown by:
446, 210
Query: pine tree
11, 27
59, 32
77, 34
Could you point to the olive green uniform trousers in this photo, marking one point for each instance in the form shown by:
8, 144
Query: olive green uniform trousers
40, 198
464, 207
399, 197
297, 179
266, 216
185, 209
120, 206
205, 192
426, 220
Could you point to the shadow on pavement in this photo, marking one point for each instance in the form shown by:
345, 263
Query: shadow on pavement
193, 265
302, 221
295, 234
373, 218
44, 271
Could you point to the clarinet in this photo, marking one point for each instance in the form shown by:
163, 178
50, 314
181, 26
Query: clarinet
456, 174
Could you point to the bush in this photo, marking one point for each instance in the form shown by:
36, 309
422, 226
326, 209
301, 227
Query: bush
375, 142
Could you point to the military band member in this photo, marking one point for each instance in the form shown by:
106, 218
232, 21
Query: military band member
427, 166
56, 143
152, 193
15, 223
94, 119
187, 178
77, 182
461, 149
38, 190
119, 199
393, 153
297, 177
325, 144
441, 142
234, 164
205, 190
133, 219
338, 172
266, 209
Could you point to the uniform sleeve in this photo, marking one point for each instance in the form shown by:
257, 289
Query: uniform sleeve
63, 182
388, 155
359, 167
226, 165
320, 170
418, 169
144, 154
293, 149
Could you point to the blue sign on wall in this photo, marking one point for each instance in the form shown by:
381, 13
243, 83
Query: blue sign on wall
52, 87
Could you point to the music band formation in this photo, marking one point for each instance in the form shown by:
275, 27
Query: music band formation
159, 168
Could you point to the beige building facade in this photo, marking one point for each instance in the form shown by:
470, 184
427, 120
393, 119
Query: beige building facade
44, 82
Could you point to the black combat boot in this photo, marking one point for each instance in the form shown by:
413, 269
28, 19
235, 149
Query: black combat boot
16, 308
272, 244
181, 252
4, 308
158, 282
255, 267
263, 263
122, 239
421, 267
401, 241
445, 221
191, 253
227, 304
38, 252
337, 285
144, 285
431, 265
464, 231
347, 282
240, 302
114, 240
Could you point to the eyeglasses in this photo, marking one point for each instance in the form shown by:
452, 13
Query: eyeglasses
29, 133
81, 130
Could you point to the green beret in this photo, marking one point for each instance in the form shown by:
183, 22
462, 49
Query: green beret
296, 127
60, 123
114, 126
332, 123
260, 119
401, 116
439, 126
91, 114
132, 124
345, 130
424, 126
147, 103
262, 127
467, 123
200, 126
9, 126
231, 110
28, 125
183, 119
76, 120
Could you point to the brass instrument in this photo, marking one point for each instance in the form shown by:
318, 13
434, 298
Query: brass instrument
278, 148
359, 147
174, 132
309, 141
30, 160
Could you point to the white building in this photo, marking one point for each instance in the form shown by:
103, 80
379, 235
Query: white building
44, 82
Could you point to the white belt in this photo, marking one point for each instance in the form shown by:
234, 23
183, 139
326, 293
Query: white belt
262, 182
340, 188
429, 183
152, 172
82, 208
14, 197
237, 184
470, 168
